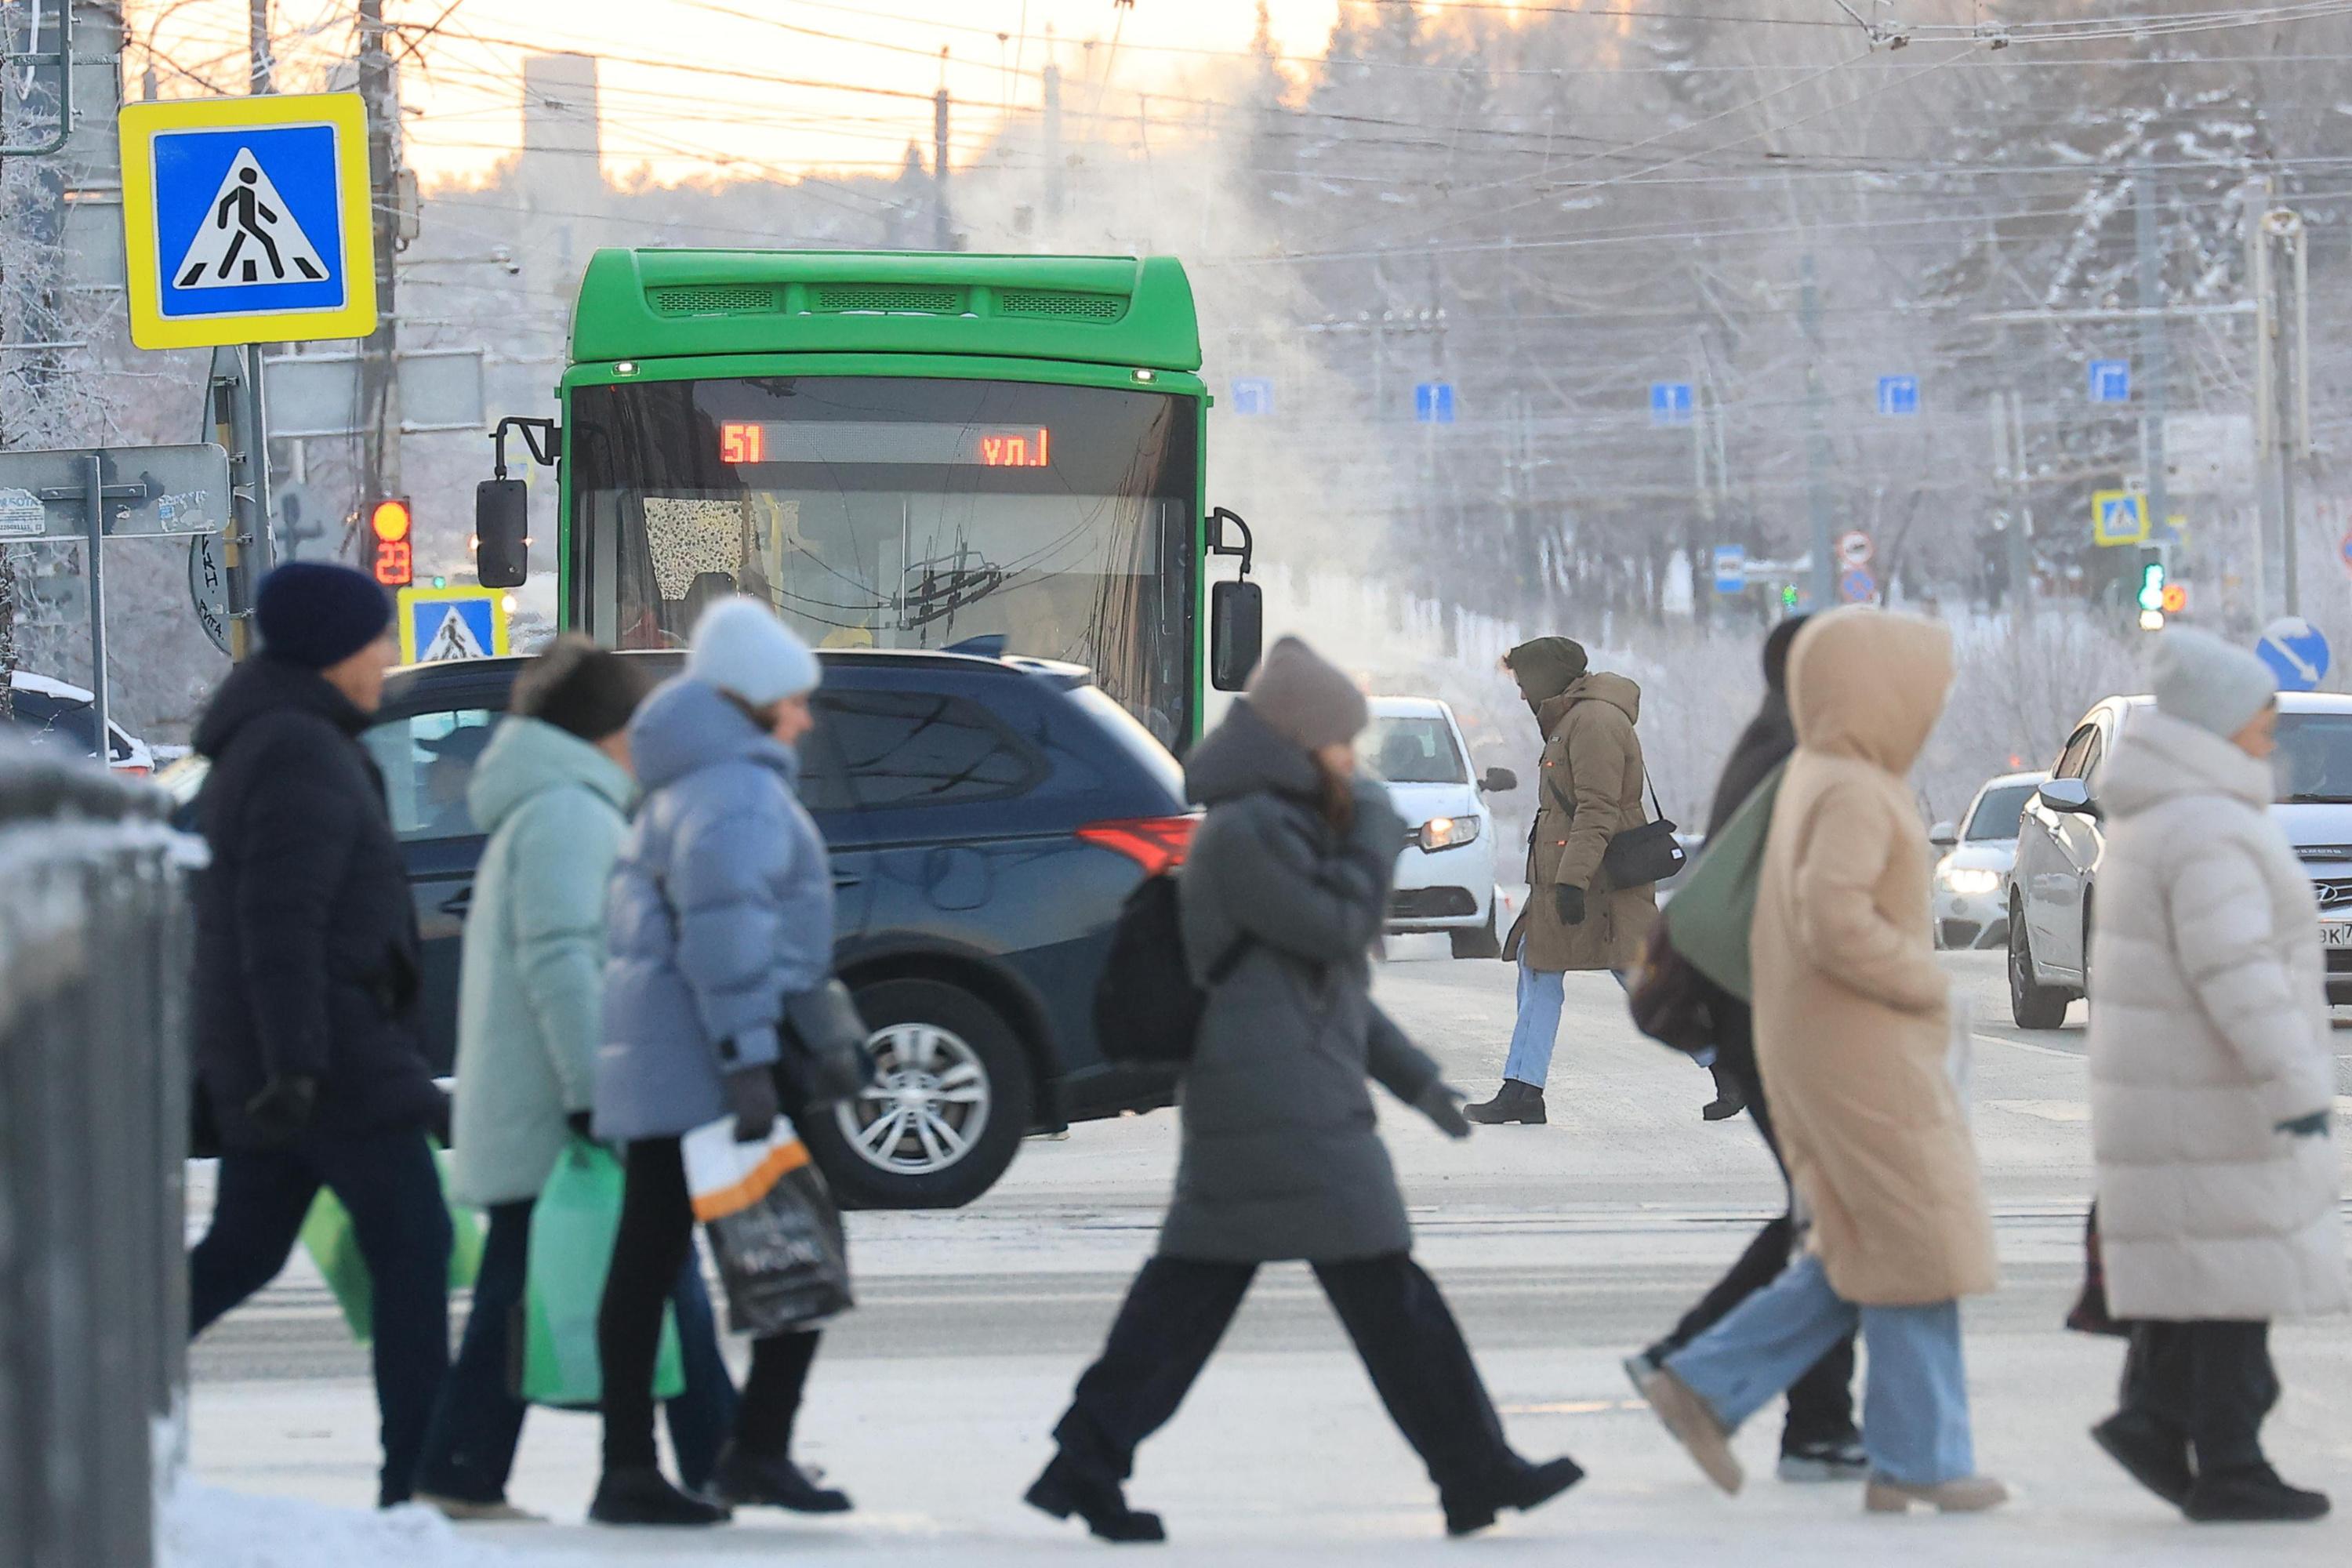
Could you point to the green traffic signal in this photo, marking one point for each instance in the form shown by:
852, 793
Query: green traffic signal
2151, 586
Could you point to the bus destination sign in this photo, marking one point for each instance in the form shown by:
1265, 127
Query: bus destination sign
844, 441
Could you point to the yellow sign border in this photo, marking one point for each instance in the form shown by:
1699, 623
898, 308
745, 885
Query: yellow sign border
2099, 534
408, 598
136, 129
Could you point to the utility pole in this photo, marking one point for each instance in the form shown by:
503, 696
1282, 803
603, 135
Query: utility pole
1817, 443
264, 63
380, 413
2283, 380
2008, 410
942, 229
2155, 346
1053, 138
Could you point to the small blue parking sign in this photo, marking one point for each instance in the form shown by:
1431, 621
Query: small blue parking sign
1670, 402
1253, 394
1432, 403
1898, 395
2296, 652
2111, 381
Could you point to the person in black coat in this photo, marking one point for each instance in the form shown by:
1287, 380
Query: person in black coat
1282, 895
1819, 1441
307, 1050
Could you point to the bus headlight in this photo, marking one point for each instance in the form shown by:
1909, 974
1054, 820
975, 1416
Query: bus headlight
1448, 832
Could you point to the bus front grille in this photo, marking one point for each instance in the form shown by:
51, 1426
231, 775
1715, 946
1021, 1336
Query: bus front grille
845, 298
714, 299
1060, 303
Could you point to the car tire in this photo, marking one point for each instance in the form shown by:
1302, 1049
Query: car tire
1481, 942
2032, 1005
954, 1074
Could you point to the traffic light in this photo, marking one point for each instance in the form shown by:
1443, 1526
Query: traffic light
395, 556
1789, 598
2154, 597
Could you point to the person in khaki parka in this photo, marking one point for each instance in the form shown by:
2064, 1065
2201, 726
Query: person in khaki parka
1588, 788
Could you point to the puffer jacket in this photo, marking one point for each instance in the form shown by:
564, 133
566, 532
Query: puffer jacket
531, 991
1281, 1156
1589, 788
720, 909
2208, 1027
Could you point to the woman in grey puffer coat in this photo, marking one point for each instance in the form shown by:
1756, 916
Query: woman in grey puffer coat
1285, 889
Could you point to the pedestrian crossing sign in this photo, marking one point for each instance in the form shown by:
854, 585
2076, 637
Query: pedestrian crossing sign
441, 624
2118, 516
248, 220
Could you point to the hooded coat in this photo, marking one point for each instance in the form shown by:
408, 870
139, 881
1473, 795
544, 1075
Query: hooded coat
2208, 1026
1589, 787
530, 990
1281, 1156
306, 931
719, 908
1852, 1014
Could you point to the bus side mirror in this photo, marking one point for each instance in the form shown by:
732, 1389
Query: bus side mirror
1236, 633
501, 533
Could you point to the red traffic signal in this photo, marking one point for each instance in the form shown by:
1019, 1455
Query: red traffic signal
395, 559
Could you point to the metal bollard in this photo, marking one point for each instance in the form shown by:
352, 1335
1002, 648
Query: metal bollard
94, 1076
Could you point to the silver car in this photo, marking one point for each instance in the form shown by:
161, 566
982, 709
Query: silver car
2053, 892
1971, 894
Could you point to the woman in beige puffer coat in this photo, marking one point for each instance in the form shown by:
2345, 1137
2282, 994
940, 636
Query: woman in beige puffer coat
2212, 1074
1853, 1036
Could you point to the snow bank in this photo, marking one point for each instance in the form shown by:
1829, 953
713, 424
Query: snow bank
206, 1526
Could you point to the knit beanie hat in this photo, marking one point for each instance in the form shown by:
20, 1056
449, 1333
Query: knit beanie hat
741, 648
2203, 680
316, 614
1547, 667
1305, 699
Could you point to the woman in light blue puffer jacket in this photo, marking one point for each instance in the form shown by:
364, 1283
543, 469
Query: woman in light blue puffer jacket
720, 909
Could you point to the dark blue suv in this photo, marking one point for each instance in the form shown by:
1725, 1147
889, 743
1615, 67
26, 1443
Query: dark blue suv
986, 817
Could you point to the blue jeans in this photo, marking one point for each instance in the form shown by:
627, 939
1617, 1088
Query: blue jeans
1537, 1029
469, 1450
1914, 1413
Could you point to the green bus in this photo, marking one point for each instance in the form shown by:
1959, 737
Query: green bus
895, 451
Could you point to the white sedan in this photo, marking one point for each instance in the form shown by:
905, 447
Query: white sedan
1971, 896
1446, 867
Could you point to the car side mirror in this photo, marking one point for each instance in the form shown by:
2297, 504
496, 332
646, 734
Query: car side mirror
501, 533
1236, 633
1500, 781
1944, 835
2070, 796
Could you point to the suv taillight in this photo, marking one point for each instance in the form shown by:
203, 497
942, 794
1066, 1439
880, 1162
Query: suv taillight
1155, 843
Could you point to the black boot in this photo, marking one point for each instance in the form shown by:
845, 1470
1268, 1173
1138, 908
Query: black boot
763, 1480
2156, 1458
1061, 1491
1728, 1100
642, 1495
1526, 1488
1515, 1101
2250, 1497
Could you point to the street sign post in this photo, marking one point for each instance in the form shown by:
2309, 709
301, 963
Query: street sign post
2296, 652
1730, 568
1671, 402
1857, 586
1899, 396
2111, 381
248, 220
1432, 403
438, 624
1253, 396
2118, 516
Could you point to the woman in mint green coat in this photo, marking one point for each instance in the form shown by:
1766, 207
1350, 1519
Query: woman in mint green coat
552, 790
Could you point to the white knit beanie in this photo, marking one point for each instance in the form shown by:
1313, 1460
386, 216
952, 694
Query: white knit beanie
2202, 680
741, 648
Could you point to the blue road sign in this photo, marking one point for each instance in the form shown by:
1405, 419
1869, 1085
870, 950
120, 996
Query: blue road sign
1670, 402
1858, 586
1253, 394
2111, 381
1898, 395
438, 624
1730, 568
1432, 403
2296, 652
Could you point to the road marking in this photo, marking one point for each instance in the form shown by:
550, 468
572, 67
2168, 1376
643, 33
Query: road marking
2047, 1110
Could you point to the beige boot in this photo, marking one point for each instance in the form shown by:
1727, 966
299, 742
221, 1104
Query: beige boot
1694, 1424
1969, 1494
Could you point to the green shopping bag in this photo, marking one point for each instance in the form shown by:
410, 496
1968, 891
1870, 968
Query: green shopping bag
573, 1228
327, 1232
1715, 903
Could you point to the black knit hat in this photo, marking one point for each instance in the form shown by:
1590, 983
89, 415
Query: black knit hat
314, 613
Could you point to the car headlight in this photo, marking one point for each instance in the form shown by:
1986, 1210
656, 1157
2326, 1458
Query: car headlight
1448, 832
1972, 880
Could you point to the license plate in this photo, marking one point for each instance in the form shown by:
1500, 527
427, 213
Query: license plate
2336, 933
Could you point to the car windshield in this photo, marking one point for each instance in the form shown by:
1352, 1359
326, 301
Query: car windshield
1997, 812
1416, 749
2314, 759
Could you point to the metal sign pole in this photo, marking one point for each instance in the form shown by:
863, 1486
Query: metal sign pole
93, 510
257, 423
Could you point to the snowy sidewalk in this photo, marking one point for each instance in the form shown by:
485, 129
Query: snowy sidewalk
1274, 1460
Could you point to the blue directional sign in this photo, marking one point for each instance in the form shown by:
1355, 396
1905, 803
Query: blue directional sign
1253, 394
1432, 403
1898, 395
1858, 586
248, 220
1730, 568
1670, 402
2296, 652
2111, 381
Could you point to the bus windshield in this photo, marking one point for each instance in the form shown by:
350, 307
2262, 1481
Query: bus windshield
898, 513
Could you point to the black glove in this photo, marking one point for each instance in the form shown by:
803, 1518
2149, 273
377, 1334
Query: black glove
582, 1124
437, 1118
2312, 1126
1570, 902
1441, 1103
844, 1075
281, 1111
752, 1096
